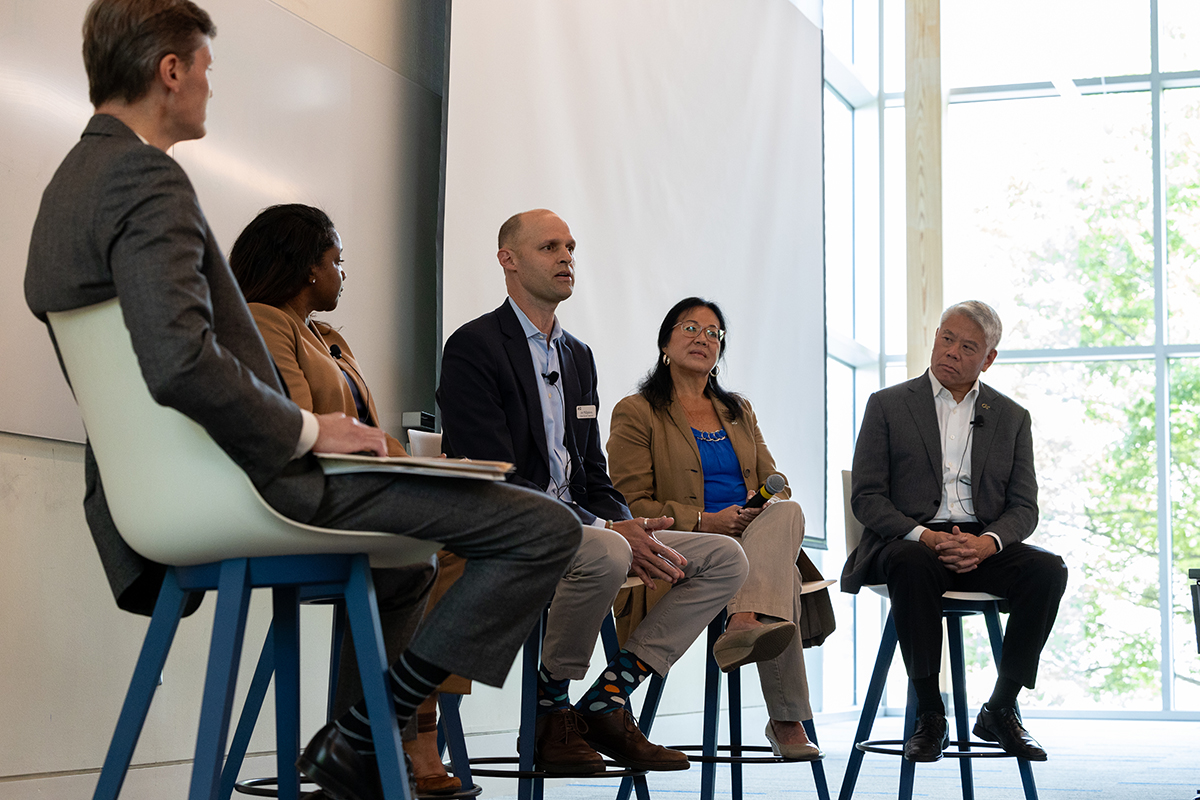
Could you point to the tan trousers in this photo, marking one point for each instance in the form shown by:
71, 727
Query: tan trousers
772, 544
584, 596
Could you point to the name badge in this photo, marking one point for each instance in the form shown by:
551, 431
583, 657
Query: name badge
585, 412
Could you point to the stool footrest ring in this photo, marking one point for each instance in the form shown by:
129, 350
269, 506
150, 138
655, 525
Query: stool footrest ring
895, 747
619, 772
265, 787
771, 758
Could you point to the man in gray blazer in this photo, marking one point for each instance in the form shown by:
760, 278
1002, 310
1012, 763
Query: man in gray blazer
120, 219
944, 486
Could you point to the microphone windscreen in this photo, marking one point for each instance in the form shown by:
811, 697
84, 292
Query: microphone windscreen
775, 484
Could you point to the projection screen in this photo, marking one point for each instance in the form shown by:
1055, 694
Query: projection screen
682, 142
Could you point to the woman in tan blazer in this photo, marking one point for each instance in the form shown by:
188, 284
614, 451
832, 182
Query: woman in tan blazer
288, 262
684, 447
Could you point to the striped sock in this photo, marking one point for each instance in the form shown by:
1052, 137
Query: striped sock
551, 692
411, 680
612, 689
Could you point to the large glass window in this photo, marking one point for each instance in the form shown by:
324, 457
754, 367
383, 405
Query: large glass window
985, 43
1047, 215
1050, 213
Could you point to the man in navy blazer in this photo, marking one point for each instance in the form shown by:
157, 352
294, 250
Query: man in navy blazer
516, 387
120, 219
944, 486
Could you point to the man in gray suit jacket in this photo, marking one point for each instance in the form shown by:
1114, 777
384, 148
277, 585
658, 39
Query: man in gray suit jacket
120, 219
944, 486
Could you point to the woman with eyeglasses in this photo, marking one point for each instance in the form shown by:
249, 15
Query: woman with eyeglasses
687, 448
288, 262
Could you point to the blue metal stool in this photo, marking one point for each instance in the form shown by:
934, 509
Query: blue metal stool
335, 574
257, 693
530, 780
954, 608
710, 750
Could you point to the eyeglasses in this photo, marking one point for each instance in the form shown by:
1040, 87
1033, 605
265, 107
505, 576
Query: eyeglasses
693, 330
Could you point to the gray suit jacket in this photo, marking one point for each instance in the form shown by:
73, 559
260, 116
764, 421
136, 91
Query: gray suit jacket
120, 218
897, 477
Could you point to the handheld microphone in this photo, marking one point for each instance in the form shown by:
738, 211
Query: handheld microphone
335, 351
552, 378
773, 485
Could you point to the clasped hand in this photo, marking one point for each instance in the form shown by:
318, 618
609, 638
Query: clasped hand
959, 552
651, 558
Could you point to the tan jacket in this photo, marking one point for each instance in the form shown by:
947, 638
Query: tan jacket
314, 379
654, 461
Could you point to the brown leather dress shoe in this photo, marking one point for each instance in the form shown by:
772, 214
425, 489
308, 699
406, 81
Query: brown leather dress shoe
330, 762
560, 748
617, 736
1004, 726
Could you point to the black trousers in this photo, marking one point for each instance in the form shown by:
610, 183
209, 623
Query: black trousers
1031, 579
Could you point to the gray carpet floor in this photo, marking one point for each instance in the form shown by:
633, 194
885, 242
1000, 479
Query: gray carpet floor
1089, 760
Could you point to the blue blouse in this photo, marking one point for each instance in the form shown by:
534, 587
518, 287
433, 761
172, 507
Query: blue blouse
723, 484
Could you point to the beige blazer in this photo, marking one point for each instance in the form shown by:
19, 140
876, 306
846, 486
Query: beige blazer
654, 461
313, 377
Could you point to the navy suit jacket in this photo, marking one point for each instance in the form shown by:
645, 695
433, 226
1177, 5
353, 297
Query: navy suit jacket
897, 474
489, 398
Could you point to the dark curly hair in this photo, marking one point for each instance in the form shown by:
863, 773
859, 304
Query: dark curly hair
659, 388
272, 257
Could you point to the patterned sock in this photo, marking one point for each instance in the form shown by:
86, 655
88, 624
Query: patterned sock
1005, 694
551, 692
411, 680
612, 689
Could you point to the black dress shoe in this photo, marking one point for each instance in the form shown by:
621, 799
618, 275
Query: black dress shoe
1004, 726
929, 739
330, 762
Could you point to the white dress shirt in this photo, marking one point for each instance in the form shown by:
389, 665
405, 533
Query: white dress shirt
955, 424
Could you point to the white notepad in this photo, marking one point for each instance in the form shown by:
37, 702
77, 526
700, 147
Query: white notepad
342, 463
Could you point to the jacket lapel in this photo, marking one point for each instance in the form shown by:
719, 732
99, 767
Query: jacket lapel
516, 347
986, 416
920, 405
572, 395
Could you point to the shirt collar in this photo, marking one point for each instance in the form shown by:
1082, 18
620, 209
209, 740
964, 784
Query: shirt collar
531, 330
938, 388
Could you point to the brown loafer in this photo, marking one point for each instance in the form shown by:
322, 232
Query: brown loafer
737, 648
437, 784
617, 736
560, 748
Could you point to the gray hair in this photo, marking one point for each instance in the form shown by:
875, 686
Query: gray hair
982, 315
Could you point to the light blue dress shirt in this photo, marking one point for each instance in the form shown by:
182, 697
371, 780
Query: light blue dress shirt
544, 351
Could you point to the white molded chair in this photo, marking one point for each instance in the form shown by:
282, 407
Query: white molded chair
178, 499
955, 606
